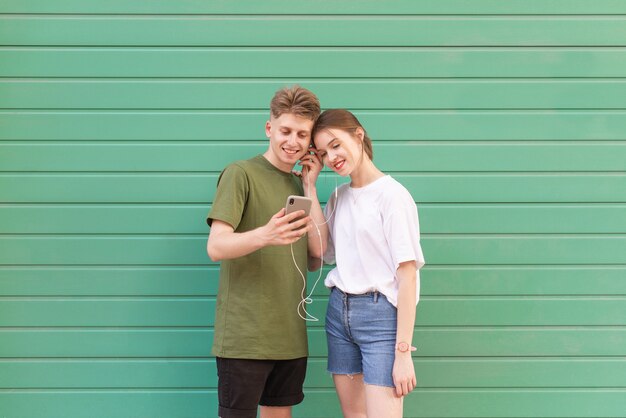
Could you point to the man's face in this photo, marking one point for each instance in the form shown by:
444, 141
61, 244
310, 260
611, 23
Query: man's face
290, 136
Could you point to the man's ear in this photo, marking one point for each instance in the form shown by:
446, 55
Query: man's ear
268, 128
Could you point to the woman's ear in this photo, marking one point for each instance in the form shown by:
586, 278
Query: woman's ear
360, 133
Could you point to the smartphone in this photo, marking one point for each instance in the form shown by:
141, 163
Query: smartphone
296, 203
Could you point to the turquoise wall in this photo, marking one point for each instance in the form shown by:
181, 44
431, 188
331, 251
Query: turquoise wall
505, 120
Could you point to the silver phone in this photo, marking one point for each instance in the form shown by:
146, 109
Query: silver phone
295, 203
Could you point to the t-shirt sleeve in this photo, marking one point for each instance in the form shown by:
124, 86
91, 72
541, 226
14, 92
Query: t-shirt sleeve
401, 228
231, 196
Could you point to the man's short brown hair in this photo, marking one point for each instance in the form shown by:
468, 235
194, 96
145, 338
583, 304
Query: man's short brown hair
296, 100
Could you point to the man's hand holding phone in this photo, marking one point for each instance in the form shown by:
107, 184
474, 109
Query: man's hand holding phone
289, 224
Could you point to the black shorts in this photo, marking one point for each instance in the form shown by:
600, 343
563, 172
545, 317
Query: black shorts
244, 384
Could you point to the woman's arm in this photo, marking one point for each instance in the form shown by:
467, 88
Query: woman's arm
403, 369
318, 236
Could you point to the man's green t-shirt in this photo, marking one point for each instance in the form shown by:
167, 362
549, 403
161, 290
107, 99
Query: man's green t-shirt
256, 314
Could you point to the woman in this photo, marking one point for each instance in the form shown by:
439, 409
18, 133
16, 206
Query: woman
374, 242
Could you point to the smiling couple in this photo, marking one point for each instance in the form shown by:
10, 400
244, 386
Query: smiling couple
369, 229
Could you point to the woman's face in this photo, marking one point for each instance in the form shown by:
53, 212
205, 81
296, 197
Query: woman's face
339, 150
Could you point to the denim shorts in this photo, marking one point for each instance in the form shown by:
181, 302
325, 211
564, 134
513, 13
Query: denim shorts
361, 336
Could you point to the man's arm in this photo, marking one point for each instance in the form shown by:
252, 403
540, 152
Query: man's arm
225, 244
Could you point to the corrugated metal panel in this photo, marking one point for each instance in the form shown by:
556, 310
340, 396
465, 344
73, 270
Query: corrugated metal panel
506, 121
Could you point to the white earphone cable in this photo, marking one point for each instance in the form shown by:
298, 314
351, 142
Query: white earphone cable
307, 300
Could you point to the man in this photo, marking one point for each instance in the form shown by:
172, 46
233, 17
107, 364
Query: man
260, 340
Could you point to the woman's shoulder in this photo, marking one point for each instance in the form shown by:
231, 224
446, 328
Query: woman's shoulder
395, 188
395, 193
336, 193
341, 189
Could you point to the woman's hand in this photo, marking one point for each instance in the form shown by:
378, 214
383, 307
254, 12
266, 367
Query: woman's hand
311, 168
404, 373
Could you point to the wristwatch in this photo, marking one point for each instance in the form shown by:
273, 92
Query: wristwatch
403, 347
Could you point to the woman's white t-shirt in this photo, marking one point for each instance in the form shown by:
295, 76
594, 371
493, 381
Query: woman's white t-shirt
372, 230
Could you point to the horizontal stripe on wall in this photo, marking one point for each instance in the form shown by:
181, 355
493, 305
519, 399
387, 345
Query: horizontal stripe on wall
425, 188
351, 94
460, 403
443, 249
199, 312
267, 30
312, 62
202, 374
109, 280
434, 218
458, 125
115, 280
415, 157
245, 7
196, 342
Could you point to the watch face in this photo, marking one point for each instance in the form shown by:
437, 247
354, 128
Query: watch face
402, 347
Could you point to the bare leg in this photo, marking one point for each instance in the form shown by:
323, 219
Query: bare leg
351, 392
383, 402
275, 412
